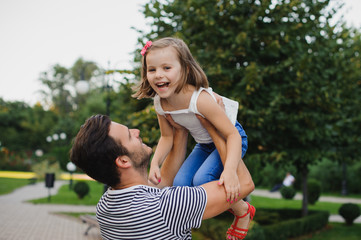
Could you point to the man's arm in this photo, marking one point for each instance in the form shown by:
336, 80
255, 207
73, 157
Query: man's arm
216, 195
176, 156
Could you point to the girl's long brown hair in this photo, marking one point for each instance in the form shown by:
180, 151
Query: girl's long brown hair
191, 72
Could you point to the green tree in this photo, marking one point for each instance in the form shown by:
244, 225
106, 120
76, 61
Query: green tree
124, 106
59, 81
83, 70
346, 122
57, 95
87, 71
22, 131
60, 95
23, 127
282, 60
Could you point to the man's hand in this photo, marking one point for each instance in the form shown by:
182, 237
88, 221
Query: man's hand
218, 140
175, 125
219, 100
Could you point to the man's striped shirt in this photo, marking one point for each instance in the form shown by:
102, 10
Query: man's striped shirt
143, 212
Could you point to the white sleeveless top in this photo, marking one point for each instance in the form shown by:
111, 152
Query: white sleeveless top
188, 119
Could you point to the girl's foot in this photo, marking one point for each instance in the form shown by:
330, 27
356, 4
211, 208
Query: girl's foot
242, 219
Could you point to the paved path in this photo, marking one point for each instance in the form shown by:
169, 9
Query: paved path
333, 218
20, 220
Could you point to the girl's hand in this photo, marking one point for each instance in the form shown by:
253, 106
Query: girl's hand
154, 174
231, 183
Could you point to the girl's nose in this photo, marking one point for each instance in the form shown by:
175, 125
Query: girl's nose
159, 74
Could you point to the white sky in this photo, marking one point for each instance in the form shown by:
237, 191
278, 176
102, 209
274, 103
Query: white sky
36, 34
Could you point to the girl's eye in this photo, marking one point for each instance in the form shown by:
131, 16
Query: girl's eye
167, 68
151, 70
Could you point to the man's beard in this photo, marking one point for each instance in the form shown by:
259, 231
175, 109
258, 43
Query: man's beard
140, 159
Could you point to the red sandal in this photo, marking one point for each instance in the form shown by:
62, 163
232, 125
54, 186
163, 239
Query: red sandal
237, 232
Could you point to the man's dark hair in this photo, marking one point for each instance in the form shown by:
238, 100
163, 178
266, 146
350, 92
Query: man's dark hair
94, 151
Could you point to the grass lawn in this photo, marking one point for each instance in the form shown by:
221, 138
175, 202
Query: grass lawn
67, 196
7, 185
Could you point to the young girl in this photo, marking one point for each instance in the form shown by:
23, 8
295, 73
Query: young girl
180, 88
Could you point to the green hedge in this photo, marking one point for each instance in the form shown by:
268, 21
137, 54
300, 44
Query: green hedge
268, 224
216, 228
296, 226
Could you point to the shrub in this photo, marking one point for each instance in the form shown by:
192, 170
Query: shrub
349, 212
267, 217
81, 189
288, 192
295, 227
216, 228
314, 191
289, 224
45, 166
255, 232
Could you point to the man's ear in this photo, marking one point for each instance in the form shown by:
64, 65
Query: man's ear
123, 161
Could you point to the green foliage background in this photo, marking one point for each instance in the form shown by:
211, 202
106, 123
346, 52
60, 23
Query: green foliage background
295, 73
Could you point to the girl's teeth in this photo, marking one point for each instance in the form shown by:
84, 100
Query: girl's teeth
162, 84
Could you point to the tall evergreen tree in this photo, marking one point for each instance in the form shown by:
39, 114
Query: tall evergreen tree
283, 60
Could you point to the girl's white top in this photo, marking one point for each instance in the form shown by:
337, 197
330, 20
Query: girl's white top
188, 119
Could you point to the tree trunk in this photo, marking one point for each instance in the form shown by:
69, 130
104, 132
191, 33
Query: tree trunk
344, 178
304, 192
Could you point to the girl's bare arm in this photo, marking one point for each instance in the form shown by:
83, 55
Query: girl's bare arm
164, 146
165, 142
176, 156
216, 195
212, 111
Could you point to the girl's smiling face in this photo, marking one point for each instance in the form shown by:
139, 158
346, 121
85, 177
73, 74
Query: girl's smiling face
163, 71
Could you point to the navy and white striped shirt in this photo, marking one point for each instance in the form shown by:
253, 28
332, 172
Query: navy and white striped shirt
143, 212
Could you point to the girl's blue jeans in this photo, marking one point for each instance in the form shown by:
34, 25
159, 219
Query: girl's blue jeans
204, 163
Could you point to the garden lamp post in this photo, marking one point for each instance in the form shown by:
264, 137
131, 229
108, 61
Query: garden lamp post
39, 153
50, 176
71, 168
56, 137
82, 87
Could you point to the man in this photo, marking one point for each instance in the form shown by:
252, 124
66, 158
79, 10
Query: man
115, 155
287, 182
